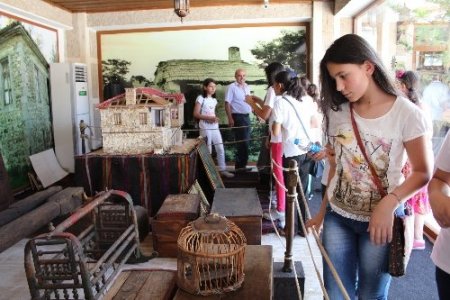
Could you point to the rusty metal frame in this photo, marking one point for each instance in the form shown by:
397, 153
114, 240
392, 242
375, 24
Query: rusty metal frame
60, 265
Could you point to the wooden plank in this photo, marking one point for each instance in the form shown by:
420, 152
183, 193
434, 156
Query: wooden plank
160, 285
115, 288
258, 282
132, 285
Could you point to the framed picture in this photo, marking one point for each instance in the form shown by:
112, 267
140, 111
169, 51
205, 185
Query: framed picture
178, 59
26, 49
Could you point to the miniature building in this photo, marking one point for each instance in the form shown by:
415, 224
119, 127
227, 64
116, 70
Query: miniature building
143, 120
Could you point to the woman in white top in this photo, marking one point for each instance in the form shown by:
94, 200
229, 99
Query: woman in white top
293, 117
205, 112
357, 218
263, 109
439, 195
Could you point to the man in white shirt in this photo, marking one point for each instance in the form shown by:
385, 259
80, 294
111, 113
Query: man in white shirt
238, 113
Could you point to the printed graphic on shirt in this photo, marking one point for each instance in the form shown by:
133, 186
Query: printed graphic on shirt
355, 195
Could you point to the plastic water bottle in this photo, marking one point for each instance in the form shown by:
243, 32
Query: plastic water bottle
313, 147
310, 147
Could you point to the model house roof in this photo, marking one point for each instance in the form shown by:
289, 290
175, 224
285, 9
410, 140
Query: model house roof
144, 97
16, 29
196, 70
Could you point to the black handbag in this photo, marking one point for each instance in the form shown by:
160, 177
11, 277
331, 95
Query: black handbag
397, 265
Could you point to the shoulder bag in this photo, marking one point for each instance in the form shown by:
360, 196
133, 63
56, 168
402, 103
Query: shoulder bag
397, 263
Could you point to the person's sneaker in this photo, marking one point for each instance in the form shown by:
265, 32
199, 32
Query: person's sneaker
226, 174
243, 170
273, 198
275, 215
418, 245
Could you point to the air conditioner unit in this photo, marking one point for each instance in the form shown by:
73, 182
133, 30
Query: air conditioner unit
70, 107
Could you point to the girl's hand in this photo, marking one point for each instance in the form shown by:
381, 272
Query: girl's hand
315, 222
330, 152
382, 221
249, 99
319, 155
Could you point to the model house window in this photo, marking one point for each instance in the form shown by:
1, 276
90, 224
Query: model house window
174, 114
5, 80
143, 118
157, 117
117, 119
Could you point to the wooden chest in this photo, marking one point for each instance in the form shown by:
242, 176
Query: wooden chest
242, 206
175, 213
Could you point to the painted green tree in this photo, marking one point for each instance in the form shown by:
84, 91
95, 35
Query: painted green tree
114, 70
289, 49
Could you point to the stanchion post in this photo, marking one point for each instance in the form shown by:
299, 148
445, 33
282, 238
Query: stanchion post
291, 184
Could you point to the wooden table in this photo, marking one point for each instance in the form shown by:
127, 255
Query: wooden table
148, 178
258, 282
161, 284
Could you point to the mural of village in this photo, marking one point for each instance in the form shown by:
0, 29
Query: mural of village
183, 70
25, 117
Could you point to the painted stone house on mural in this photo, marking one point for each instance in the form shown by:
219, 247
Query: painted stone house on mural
25, 122
187, 75
143, 120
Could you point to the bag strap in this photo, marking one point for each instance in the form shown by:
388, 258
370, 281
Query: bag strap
376, 179
298, 116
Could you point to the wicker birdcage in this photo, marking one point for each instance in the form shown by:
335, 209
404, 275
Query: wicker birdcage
211, 256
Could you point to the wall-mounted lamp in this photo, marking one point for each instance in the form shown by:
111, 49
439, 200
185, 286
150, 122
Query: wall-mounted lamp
181, 8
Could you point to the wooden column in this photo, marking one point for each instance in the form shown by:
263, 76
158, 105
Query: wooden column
291, 184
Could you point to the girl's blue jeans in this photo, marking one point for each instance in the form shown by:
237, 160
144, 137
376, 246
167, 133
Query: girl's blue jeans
361, 265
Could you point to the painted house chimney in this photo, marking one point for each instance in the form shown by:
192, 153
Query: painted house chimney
234, 54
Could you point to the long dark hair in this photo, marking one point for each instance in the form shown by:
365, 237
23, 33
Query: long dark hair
205, 84
271, 70
411, 81
291, 84
349, 49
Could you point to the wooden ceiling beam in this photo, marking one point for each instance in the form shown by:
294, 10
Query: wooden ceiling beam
94, 6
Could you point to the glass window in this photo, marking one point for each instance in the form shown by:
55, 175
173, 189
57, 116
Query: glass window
157, 117
6, 92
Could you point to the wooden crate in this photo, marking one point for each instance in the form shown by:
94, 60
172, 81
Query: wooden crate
242, 206
175, 213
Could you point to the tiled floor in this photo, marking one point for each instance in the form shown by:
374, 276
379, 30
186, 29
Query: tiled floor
13, 284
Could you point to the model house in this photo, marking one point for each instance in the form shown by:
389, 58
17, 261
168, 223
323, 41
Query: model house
143, 120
